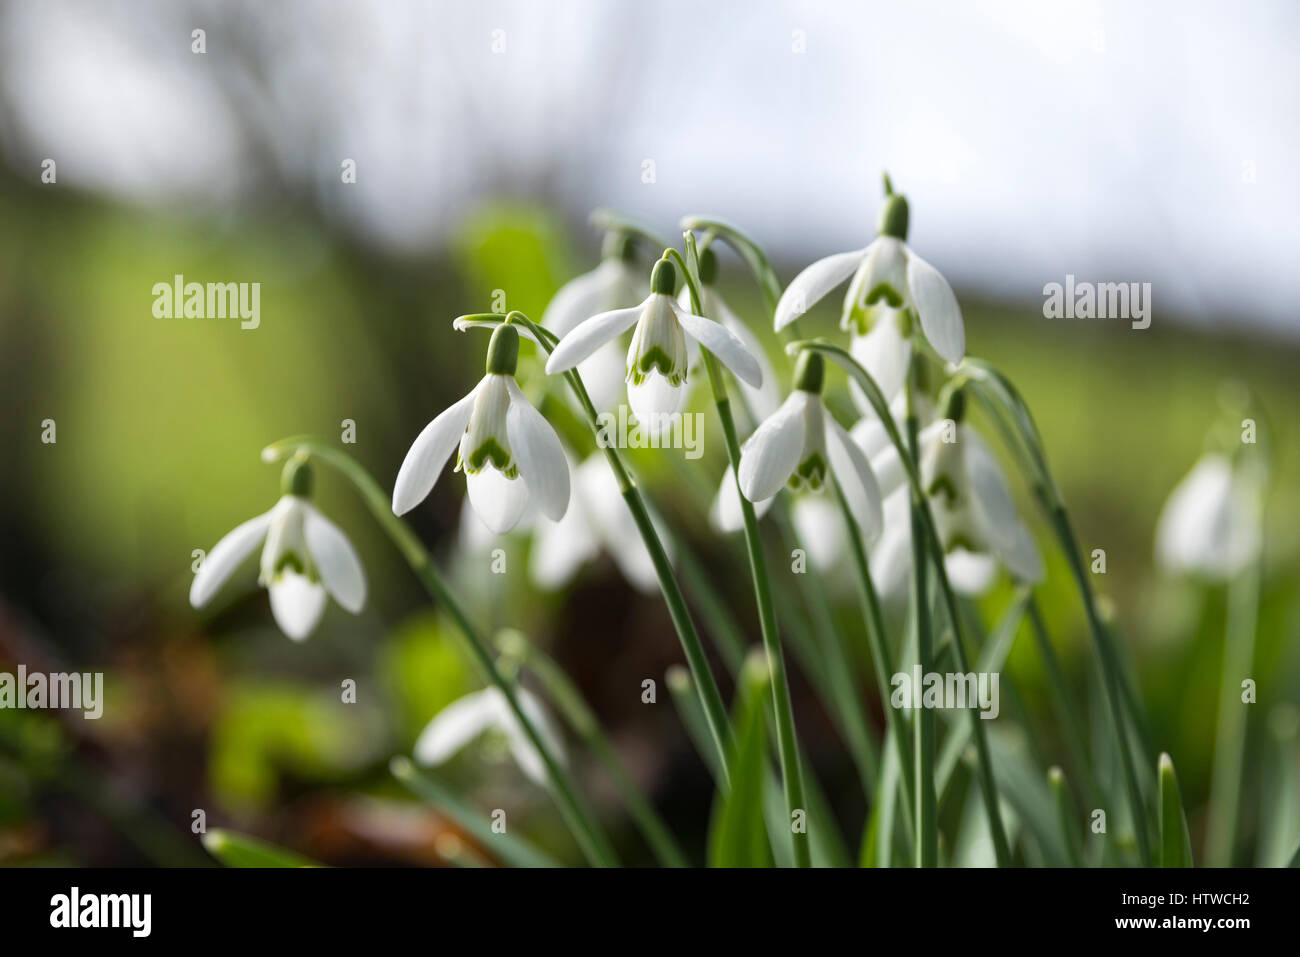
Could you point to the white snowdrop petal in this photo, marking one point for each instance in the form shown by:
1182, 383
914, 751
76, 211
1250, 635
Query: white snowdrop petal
336, 560
226, 556
770, 456
526, 755
656, 402
820, 530
885, 354
497, 500
429, 453
1192, 534
723, 343
1022, 557
725, 514
456, 725
811, 285
542, 463
590, 335
970, 573
854, 475
936, 304
990, 495
560, 549
581, 298
297, 604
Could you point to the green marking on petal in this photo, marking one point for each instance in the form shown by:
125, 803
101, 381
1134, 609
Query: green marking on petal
943, 486
656, 358
811, 474
888, 293
490, 452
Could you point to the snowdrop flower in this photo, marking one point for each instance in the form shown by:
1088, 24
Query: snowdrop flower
761, 400
597, 520
657, 361
890, 284
488, 712
509, 453
974, 514
305, 558
801, 445
615, 283
1210, 524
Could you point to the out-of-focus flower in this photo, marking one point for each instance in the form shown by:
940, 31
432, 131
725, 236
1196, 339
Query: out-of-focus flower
657, 360
597, 520
1210, 524
885, 273
306, 558
975, 516
801, 446
508, 451
614, 284
488, 712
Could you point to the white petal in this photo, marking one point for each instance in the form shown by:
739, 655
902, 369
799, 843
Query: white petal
472, 536
886, 464
885, 354
521, 746
723, 343
820, 529
297, 604
1022, 557
463, 324
560, 549
613, 524
770, 456
853, 472
807, 288
226, 556
602, 373
937, 306
537, 448
970, 573
891, 558
766, 398
336, 560
725, 514
990, 495
656, 402
458, 724
590, 335
1194, 533
429, 453
582, 297
499, 501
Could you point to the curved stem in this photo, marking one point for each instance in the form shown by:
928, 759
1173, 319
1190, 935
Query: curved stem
787, 743
595, 845
707, 687
749, 250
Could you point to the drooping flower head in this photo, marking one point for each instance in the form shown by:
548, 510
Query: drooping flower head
1209, 526
507, 450
487, 712
802, 447
615, 284
975, 515
657, 360
891, 286
305, 558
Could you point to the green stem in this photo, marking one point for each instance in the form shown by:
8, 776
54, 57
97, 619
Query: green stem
595, 845
1230, 737
787, 744
768, 282
1075, 741
923, 523
584, 722
707, 687
927, 812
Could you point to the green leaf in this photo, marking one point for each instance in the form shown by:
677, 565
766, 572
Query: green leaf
240, 850
1175, 844
737, 834
510, 848
1065, 814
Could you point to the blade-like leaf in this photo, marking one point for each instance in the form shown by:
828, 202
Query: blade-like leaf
240, 850
1175, 844
737, 834
510, 848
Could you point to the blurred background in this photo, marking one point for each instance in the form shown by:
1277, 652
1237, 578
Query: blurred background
1115, 142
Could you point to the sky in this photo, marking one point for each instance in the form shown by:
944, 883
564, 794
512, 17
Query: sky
1143, 142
